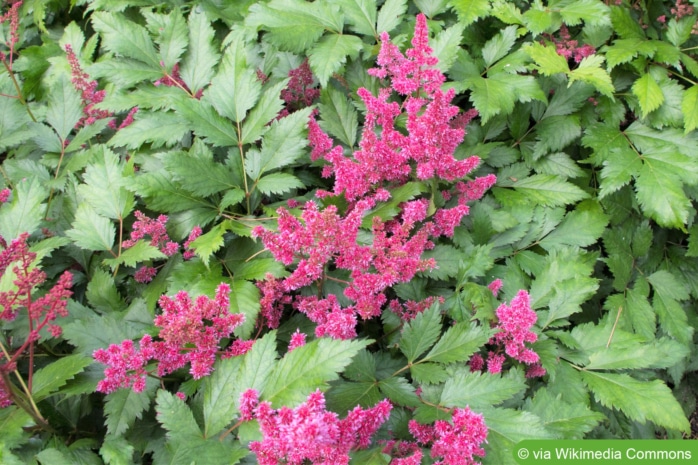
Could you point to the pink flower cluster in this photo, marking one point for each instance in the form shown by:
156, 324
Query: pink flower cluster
309, 434
156, 230
128, 120
88, 91
568, 48
190, 333
173, 79
13, 16
5, 195
41, 311
456, 442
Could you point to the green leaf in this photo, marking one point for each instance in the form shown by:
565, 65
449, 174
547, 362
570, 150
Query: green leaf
661, 196
480, 390
308, 368
659, 353
291, 24
158, 129
329, 54
244, 298
141, 251
64, 107
648, 93
538, 20
231, 377
447, 262
505, 428
91, 231
446, 45
263, 113
207, 244
197, 171
361, 15
566, 420
668, 286
399, 391
625, 25
542, 189
421, 333
689, 107
458, 343
12, 421
428, 373
282, 145
51, 456
124, 407
171, 34
235, 89
53, 376
126, 38
491, 96
639, 400
547, 60
390, 15
591, 72
116, 451
26, 210
581, 227
672, 318
103, 185
498, 46
162, 194
339, 117
640, 313
619, 168
206, 122
589, 11
554, 133
278, 183
469, 11
197, 66
176, 417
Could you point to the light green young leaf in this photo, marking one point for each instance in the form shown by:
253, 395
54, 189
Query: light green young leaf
648, 93
90, 230
54, 375
590, 11
661, 196
537, 19
505, 428
498, 46
291, 24
64, 107
140, 252
170, 33
339, 117
329, 54
421, 333
547, 60
103, 185
126, 38
308, 368
581, 227
158, 129
116, 450
26, 210
361, 15
689, 107
542, 189
591, 72
235, 88
176, 417
469, 11
208, 243
244, 298
481, 390
390, 15
491, 96
639, 400
202, 57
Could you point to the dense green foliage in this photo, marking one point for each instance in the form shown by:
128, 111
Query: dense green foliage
593, 213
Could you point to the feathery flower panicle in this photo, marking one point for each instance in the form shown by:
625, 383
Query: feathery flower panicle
155, 228
189, 252
13, 16
88, 91
299, 93
297, 340
515, 322
5, 195
457, 442
309, 433
190, 333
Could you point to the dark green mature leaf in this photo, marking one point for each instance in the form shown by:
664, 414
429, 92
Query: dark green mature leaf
116, 450
639, 400
565, 419
428, 373
591, 72
689, 107
308, 368
330, 54
505, 428
291, 24
581, 227
339, 117
91, 231
244, 298
399, 391
163, 194
197, 171
542, 189
12, 421
53, 376
26, 210
176, 417
481, 390
278, 183
206, 122
661, 195
447, 262
499, 46
64, 107
124, 407
170, 33
197, 67
421, 333
263, 113
126, 38
458, 343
